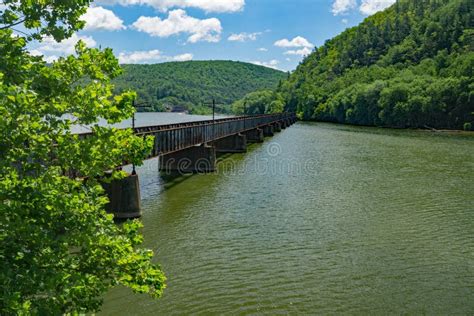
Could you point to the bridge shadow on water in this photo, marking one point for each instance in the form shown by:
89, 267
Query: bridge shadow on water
179, 192
175, 178
172, 179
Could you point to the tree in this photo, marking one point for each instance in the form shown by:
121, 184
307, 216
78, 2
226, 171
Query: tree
410, 65
258, 102
59, 250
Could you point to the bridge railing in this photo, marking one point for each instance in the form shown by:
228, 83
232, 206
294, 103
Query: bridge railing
176, 137
141, 130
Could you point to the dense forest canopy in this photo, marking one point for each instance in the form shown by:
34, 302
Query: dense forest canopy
258, 102
192, 85
409, 66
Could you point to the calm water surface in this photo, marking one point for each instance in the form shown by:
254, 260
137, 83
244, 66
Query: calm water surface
320, 219
151, 119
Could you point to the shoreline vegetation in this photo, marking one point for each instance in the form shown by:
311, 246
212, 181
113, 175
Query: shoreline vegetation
410, 66
420, 129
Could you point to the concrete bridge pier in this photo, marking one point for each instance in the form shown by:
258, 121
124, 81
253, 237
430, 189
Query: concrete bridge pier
196, 159
124, 197
268, 130
255, 136
277, 127
233, 144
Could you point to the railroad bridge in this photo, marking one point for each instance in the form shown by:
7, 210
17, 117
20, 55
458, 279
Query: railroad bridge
191, 147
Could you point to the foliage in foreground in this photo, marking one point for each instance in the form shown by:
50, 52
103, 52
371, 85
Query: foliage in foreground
409, 66
59, 250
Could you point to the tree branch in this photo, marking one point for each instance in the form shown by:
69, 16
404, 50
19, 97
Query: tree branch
16, 30
13, 24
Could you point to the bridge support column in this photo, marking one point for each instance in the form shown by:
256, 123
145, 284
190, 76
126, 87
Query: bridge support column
277, 127
268, 130
124, 197
197, 159
232, 144
255, 136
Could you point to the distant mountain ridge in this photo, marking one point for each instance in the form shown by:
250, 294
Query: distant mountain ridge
192, 85
411, 65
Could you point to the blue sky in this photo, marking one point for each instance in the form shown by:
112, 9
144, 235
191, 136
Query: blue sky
275, 33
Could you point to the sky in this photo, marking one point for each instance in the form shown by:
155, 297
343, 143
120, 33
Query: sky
273, 33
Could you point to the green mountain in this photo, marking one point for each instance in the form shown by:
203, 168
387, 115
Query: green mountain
193, 85
411, 65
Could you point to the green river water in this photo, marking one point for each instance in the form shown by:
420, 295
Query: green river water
320, 219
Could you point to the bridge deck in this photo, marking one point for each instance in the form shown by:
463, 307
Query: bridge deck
175, 137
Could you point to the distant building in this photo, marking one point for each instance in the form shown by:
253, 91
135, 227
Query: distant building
179, 109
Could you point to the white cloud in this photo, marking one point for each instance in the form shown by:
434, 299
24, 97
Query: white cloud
183, 57
262, 49
296, 42
345, 21
302, 47
149, 57
98, 18
66, 47
35, 52
343, 6
270, 64
178, 22
219, 6
140, 57
369, 7
243, 37
305, 51
48, 59
52, 50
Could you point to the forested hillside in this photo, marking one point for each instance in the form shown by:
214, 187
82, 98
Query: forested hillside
194, 84
411, 65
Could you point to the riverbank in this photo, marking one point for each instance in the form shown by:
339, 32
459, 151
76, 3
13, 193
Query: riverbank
427, 129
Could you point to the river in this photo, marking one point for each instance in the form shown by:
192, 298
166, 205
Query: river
320, 219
